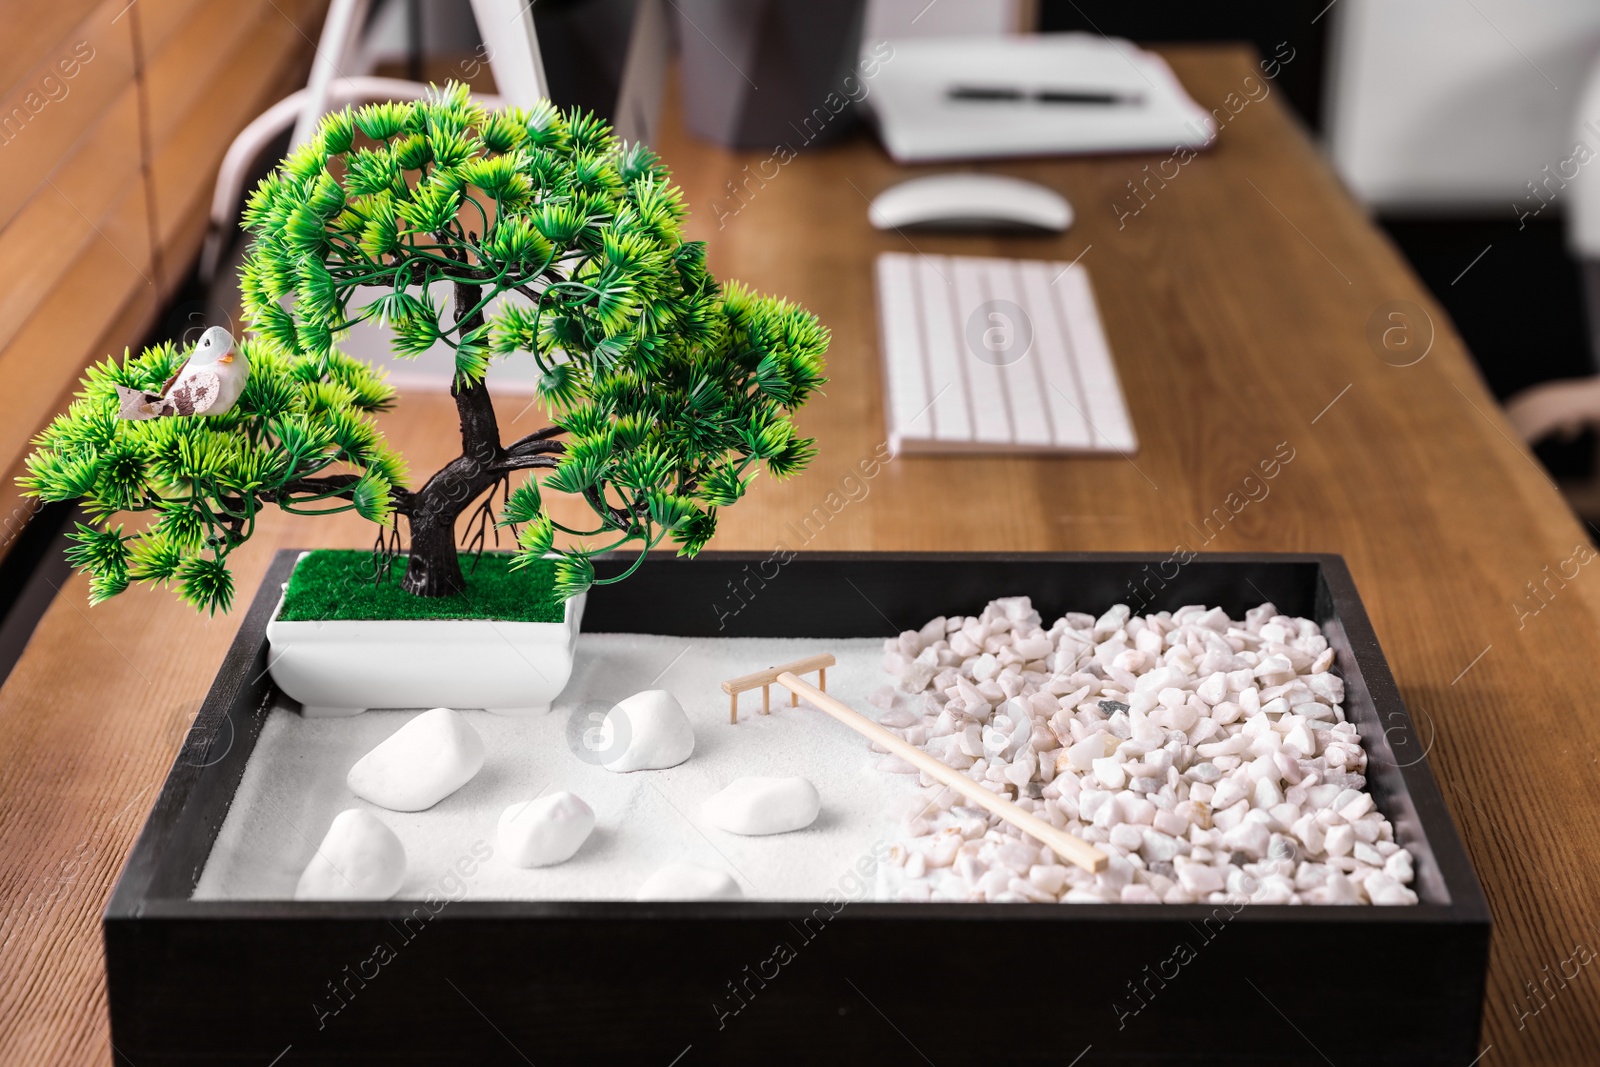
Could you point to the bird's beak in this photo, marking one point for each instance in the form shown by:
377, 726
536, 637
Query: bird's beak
227, 358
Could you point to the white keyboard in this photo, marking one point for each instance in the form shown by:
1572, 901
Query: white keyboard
996, 355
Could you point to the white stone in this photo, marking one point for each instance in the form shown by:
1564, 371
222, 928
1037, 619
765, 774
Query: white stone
420, 764
1127, 836
1214, 690
545, 831
1267, 794
1129, 659
1381, 889
1357, 807
1170, 823
360, 858
1311, 834
1108, 769
758, 806
1249, 837
1229, 792
1302, 739
689, 881
1135, 808
1225, 741
1398, 866
1200, 878
1226, 713
1365, 853
1160, 847
650, 732
1184, 717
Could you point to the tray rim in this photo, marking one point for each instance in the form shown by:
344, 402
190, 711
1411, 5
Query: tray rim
132, 901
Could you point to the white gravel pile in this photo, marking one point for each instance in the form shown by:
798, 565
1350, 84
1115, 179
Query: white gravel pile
1209, 758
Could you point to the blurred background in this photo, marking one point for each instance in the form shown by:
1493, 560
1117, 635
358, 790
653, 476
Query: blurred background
1465, 127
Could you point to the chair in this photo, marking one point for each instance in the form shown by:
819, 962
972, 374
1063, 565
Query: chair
1567, 407
339, 76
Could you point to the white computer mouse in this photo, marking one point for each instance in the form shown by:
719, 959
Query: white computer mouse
970, 202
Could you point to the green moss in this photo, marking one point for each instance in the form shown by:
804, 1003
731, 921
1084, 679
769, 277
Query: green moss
334, 584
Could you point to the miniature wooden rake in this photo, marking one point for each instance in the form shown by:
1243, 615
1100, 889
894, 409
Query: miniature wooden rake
765, 679
1069, 847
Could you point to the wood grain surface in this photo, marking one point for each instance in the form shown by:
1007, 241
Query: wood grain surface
104, 190
1239, 302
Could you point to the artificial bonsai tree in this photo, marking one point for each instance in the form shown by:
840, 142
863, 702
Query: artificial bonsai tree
518, 233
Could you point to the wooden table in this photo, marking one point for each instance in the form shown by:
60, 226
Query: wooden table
1238, 302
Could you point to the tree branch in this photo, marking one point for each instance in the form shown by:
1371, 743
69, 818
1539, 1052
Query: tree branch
619, 516
480, 431
530, 446
523, 463
538, 435
335, 487
314, 486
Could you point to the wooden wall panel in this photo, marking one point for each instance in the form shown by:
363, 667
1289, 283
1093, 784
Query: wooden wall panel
44, 113
104, 190
67, 331
33, 30
159, 20
203, 60
218, 47
75, 234
96, 191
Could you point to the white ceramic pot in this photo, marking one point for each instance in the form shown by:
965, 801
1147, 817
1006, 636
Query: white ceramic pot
345, 667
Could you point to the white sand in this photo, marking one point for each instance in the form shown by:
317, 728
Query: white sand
294, 785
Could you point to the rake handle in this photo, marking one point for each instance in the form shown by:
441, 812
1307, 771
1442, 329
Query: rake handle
1069, 847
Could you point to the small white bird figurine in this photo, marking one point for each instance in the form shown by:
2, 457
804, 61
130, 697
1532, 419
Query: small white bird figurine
208, 383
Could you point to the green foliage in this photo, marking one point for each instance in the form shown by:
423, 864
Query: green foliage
202, 481
526, 234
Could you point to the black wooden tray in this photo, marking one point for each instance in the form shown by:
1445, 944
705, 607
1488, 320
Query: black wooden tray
282, 983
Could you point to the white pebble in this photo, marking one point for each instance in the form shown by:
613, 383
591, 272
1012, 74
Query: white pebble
1249, 837
1357, 807
420, 764
1093, 747
1365, 853
647, 731
1381, 889
545, 831
689, 881
360, 858
1049, 879
1183, 743
1159, 847
759, 806
1108, 769
1214, 690
1199, 878
1127, 836
1340, 890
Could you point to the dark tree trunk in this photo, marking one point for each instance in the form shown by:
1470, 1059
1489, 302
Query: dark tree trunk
434, 569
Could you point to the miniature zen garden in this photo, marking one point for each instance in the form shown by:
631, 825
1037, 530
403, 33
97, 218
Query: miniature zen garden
1173, 757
